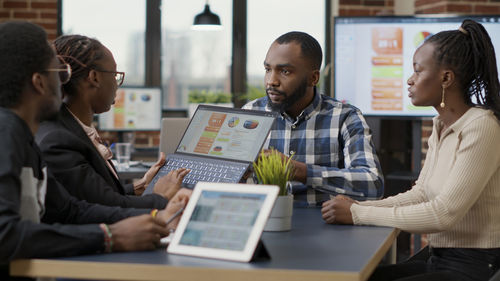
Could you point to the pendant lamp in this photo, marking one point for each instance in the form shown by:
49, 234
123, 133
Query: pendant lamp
206, 20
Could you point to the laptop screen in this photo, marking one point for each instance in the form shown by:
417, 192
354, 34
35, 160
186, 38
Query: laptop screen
227, 133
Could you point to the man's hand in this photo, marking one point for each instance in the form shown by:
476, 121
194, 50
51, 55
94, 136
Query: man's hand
300, 169
140, 185
179, 201
137, 233
338, 210
167, 186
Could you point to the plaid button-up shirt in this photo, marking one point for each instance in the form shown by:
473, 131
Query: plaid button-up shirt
334, 141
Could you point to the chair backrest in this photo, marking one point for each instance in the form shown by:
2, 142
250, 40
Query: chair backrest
171, 133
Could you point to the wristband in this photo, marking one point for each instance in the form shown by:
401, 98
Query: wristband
108, 241
154, 212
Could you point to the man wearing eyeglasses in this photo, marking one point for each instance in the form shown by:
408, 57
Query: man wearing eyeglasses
38, 218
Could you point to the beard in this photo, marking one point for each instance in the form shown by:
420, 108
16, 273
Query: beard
289, 100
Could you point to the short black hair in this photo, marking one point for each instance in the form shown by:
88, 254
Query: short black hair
24, 50
309, 46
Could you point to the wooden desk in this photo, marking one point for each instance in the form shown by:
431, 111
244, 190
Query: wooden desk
312, 250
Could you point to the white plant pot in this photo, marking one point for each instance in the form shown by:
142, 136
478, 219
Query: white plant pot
280, 218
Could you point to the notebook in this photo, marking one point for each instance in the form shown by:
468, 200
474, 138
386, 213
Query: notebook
219, 145
224, 221
171, 133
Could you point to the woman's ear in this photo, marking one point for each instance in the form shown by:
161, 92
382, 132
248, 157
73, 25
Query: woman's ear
447, 78
94, 79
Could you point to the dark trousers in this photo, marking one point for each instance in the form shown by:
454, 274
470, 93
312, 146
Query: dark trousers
443, 264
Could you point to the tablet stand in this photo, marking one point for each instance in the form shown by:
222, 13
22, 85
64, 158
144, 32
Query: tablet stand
260, 252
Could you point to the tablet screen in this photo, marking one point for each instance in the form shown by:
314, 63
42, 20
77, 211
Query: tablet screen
222, 220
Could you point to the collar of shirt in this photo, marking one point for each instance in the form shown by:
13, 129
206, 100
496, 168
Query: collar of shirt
95, 138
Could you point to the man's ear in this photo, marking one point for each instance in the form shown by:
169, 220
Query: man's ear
314, 78
38, 83
447, 78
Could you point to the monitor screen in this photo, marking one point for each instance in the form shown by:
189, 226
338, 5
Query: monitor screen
134, 109
373, 59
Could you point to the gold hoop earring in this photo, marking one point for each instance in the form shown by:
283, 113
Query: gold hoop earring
442, 100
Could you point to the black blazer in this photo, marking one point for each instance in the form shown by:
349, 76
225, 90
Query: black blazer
78, 166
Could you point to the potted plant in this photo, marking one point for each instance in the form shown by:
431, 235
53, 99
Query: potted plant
272, 169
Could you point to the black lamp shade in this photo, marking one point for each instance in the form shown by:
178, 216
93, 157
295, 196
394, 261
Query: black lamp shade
206, 17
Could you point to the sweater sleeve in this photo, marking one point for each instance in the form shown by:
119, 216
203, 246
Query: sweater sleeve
477, 148
413, 196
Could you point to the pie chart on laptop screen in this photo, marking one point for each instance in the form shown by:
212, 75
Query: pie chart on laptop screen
251, 124
233, 122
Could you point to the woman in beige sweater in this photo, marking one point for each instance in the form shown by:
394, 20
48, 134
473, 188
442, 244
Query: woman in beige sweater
456, 199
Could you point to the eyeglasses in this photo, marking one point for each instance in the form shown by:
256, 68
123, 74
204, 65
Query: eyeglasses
119, 76
64, 72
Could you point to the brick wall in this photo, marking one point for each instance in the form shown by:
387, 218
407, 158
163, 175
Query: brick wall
477, 7
366, 7
41, 12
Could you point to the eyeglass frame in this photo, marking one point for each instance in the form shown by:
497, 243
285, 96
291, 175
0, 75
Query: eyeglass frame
119, 81
68, 70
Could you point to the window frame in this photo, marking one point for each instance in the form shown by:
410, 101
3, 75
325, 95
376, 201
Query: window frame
239, 46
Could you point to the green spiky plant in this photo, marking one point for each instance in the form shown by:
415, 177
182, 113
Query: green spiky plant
272, 169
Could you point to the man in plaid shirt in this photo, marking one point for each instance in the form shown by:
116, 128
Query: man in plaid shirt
330, 142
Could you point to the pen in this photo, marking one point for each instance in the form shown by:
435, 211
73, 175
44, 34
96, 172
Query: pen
175, 215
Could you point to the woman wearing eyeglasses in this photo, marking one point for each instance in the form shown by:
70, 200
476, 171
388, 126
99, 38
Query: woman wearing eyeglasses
72, 147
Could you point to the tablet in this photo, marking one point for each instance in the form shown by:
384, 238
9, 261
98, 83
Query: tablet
223, 221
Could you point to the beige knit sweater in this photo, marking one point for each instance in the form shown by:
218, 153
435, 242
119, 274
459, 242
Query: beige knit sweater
457, 195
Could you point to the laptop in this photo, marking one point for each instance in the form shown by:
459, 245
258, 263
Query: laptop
224, 221
171, 133
219, 145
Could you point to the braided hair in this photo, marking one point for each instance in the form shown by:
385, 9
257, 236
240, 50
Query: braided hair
84, 49
469, 52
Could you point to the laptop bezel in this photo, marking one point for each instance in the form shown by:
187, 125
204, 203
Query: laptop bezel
229, 110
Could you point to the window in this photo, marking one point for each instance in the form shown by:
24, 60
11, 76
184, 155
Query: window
119, 25
191, 61
194, 61
268, 19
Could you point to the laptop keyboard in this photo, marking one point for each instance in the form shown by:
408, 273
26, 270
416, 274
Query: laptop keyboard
208, 170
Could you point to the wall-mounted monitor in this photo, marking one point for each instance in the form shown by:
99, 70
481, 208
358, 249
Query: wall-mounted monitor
134, 109
373, 59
